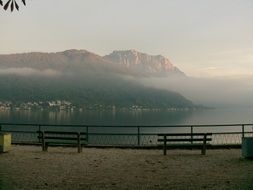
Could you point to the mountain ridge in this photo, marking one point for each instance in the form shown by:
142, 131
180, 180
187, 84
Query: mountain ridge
142, 62
84, 79
136, 62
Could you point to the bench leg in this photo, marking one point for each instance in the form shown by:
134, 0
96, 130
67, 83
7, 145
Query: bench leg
165, 146
46, 147
79, 147
43, 143
203, 151
43, 147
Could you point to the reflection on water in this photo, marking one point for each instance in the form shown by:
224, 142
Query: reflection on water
119, 119
95, 117
110, 117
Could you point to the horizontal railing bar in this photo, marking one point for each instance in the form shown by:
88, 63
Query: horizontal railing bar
127, 126
42, 125
218, 133
6, 131
231, 133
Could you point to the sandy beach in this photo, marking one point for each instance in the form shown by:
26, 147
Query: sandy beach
27, 167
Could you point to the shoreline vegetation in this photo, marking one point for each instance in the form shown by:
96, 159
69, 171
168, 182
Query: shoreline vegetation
27, 167
58, 105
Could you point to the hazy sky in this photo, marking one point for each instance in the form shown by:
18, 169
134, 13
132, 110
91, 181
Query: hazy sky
202, 37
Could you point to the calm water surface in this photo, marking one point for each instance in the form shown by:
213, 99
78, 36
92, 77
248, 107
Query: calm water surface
124, 118
212, 116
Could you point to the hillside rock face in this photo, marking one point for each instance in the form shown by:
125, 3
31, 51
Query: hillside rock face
128, 62
68, 59
87, 79
143, 63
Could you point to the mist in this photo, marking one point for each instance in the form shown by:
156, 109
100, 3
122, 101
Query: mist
26, 71
81, 71
211, 92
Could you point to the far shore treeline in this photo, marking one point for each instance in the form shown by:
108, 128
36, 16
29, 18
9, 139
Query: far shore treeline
86, 80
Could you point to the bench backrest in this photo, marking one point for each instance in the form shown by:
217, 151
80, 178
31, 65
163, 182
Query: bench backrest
188, 137
62, 135
184, 137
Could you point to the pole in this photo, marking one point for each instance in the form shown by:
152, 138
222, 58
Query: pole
138, 136
79, 147
191, 134
87, 134
243, 131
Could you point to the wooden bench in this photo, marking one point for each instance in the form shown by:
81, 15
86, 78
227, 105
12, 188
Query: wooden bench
60, 138
202, 138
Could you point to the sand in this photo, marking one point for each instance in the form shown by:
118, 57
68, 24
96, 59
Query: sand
27, 167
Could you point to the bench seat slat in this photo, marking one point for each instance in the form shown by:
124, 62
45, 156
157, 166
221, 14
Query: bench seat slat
64, 143
183, 134
61, 132
183, 144
61, 138
184, 140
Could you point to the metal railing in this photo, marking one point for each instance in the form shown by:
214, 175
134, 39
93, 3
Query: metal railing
121, 135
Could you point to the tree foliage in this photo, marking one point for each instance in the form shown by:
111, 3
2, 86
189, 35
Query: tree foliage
11, 4
105, 91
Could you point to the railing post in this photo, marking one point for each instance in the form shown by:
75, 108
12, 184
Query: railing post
39, 133
164, 145
242, 130
191, 134
87, 134
138, 136
43, 141
79, 147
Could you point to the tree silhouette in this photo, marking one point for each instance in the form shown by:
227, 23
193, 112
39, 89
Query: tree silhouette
12, 4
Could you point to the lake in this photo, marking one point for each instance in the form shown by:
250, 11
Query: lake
136, 118
161, 117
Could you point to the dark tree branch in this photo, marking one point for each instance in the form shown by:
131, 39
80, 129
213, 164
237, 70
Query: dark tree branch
12, 4
16, 5
6, 6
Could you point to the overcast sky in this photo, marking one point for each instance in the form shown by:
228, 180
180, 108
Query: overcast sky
202, 37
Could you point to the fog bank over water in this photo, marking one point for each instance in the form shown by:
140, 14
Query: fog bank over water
212, 92
128, 76
26, 71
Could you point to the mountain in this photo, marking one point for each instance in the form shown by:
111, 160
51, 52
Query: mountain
66, 61
143, 63
128, 62
86, 79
